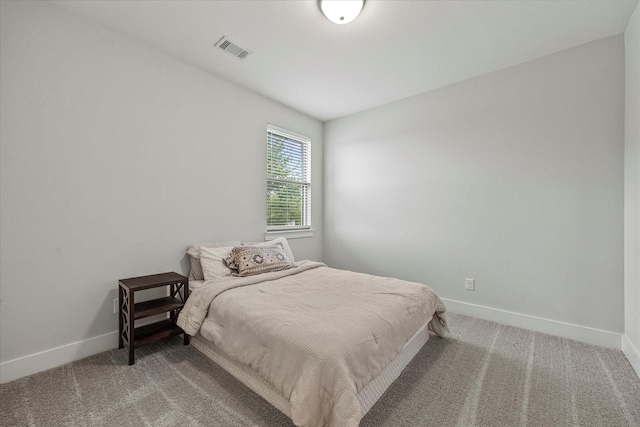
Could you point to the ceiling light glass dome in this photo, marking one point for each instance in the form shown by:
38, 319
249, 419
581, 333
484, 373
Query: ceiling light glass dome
341, 11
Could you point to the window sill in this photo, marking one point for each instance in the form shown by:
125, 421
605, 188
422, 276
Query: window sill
288, 234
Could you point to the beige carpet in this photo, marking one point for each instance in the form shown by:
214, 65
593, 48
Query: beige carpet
482, 374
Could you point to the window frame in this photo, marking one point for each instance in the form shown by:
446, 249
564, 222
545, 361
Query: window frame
305, 183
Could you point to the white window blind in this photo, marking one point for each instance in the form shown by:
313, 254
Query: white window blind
288, 180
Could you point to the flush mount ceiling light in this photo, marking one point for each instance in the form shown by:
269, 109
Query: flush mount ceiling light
341, 11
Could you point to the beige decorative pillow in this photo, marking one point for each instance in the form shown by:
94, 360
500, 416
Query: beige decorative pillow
280, 241
252, 260
213, 264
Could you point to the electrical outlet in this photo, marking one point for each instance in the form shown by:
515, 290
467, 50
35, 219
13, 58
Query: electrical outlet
470, 284
115, 306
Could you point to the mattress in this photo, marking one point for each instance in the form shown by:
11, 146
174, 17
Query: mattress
367, 397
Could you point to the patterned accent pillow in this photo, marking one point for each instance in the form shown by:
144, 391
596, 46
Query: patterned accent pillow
252, 260
281, 241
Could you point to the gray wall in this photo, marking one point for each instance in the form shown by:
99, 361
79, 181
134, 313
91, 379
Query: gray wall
514, 179
632, 187
114, 158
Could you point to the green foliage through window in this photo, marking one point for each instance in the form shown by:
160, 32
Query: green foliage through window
288, 180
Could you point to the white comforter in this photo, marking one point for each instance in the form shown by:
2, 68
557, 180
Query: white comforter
317, 335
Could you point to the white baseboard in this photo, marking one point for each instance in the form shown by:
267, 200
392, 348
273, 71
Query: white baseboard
538, 324
632, 353
37, 362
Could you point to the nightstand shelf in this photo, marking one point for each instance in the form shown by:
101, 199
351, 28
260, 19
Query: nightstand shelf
156, 331
156, 306
130, 311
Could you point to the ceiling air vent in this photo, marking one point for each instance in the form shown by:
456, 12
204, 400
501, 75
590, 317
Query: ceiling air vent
228, 46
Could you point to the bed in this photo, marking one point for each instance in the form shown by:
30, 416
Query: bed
320, 344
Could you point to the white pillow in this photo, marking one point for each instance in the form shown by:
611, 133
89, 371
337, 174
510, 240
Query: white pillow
212, 260
194, 250
281, 241
195, 272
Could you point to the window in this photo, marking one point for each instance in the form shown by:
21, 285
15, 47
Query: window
288, 180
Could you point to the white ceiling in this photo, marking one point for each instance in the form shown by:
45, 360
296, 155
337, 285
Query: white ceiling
393, 50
